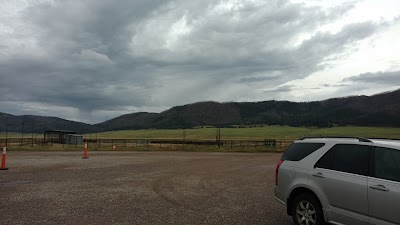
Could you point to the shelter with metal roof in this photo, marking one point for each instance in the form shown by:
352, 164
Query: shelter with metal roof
62, 137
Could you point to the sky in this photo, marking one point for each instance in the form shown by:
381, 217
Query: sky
90, 60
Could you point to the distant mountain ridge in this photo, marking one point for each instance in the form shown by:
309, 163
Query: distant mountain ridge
38, 124
376, 110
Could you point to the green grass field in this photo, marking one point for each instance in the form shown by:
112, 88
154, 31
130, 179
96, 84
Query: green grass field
280, 133
256, 133
271, 132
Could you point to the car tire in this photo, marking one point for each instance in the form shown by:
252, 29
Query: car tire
306, 210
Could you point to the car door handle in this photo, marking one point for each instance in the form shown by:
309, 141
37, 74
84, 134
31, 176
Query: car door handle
379, 187
319, 175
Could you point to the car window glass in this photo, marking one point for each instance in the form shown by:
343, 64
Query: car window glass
326, 161
351, 159
298, 151
346, 158
387, 164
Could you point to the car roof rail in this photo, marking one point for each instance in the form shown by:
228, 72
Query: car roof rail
383, 138
361, 139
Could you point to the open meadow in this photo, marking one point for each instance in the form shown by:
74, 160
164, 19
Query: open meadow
268, 132
255, 139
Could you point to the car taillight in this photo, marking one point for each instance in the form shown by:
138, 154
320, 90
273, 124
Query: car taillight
276, 171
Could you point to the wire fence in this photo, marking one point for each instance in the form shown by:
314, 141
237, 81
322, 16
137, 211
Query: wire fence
155, 144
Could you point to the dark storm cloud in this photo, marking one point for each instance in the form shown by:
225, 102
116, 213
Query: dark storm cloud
84, 64
99, 59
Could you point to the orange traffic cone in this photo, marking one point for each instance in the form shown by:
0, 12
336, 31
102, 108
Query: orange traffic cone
3, 158
85, 154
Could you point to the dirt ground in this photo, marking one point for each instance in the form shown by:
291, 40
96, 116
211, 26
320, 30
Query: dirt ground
140, 188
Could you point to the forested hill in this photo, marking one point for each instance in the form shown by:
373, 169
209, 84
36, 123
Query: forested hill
377, 110
37, 124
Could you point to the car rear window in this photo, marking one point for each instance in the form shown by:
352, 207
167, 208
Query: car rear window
297, 151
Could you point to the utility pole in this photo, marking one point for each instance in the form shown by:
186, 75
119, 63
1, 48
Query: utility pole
218, 138
184, 137
6, 133
22, 132
219, 135
32, 134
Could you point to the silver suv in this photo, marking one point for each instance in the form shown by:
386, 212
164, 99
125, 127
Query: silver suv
340, 181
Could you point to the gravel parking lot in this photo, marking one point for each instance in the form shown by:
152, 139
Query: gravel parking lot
140, 188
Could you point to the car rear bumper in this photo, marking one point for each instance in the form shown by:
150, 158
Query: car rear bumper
278, 196
277, 199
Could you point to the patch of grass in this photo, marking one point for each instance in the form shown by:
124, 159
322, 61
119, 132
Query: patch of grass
55, 147
18, 135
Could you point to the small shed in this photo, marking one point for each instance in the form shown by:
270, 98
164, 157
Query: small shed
73, 139
62, 137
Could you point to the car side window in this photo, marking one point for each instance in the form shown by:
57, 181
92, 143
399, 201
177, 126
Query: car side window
347, 158
326, 161
387, 164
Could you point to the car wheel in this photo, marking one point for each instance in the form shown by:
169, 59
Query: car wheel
306, 210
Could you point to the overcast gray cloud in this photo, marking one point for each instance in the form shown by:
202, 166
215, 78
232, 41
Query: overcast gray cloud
93, 60
390, 78
367, 84
281, 89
